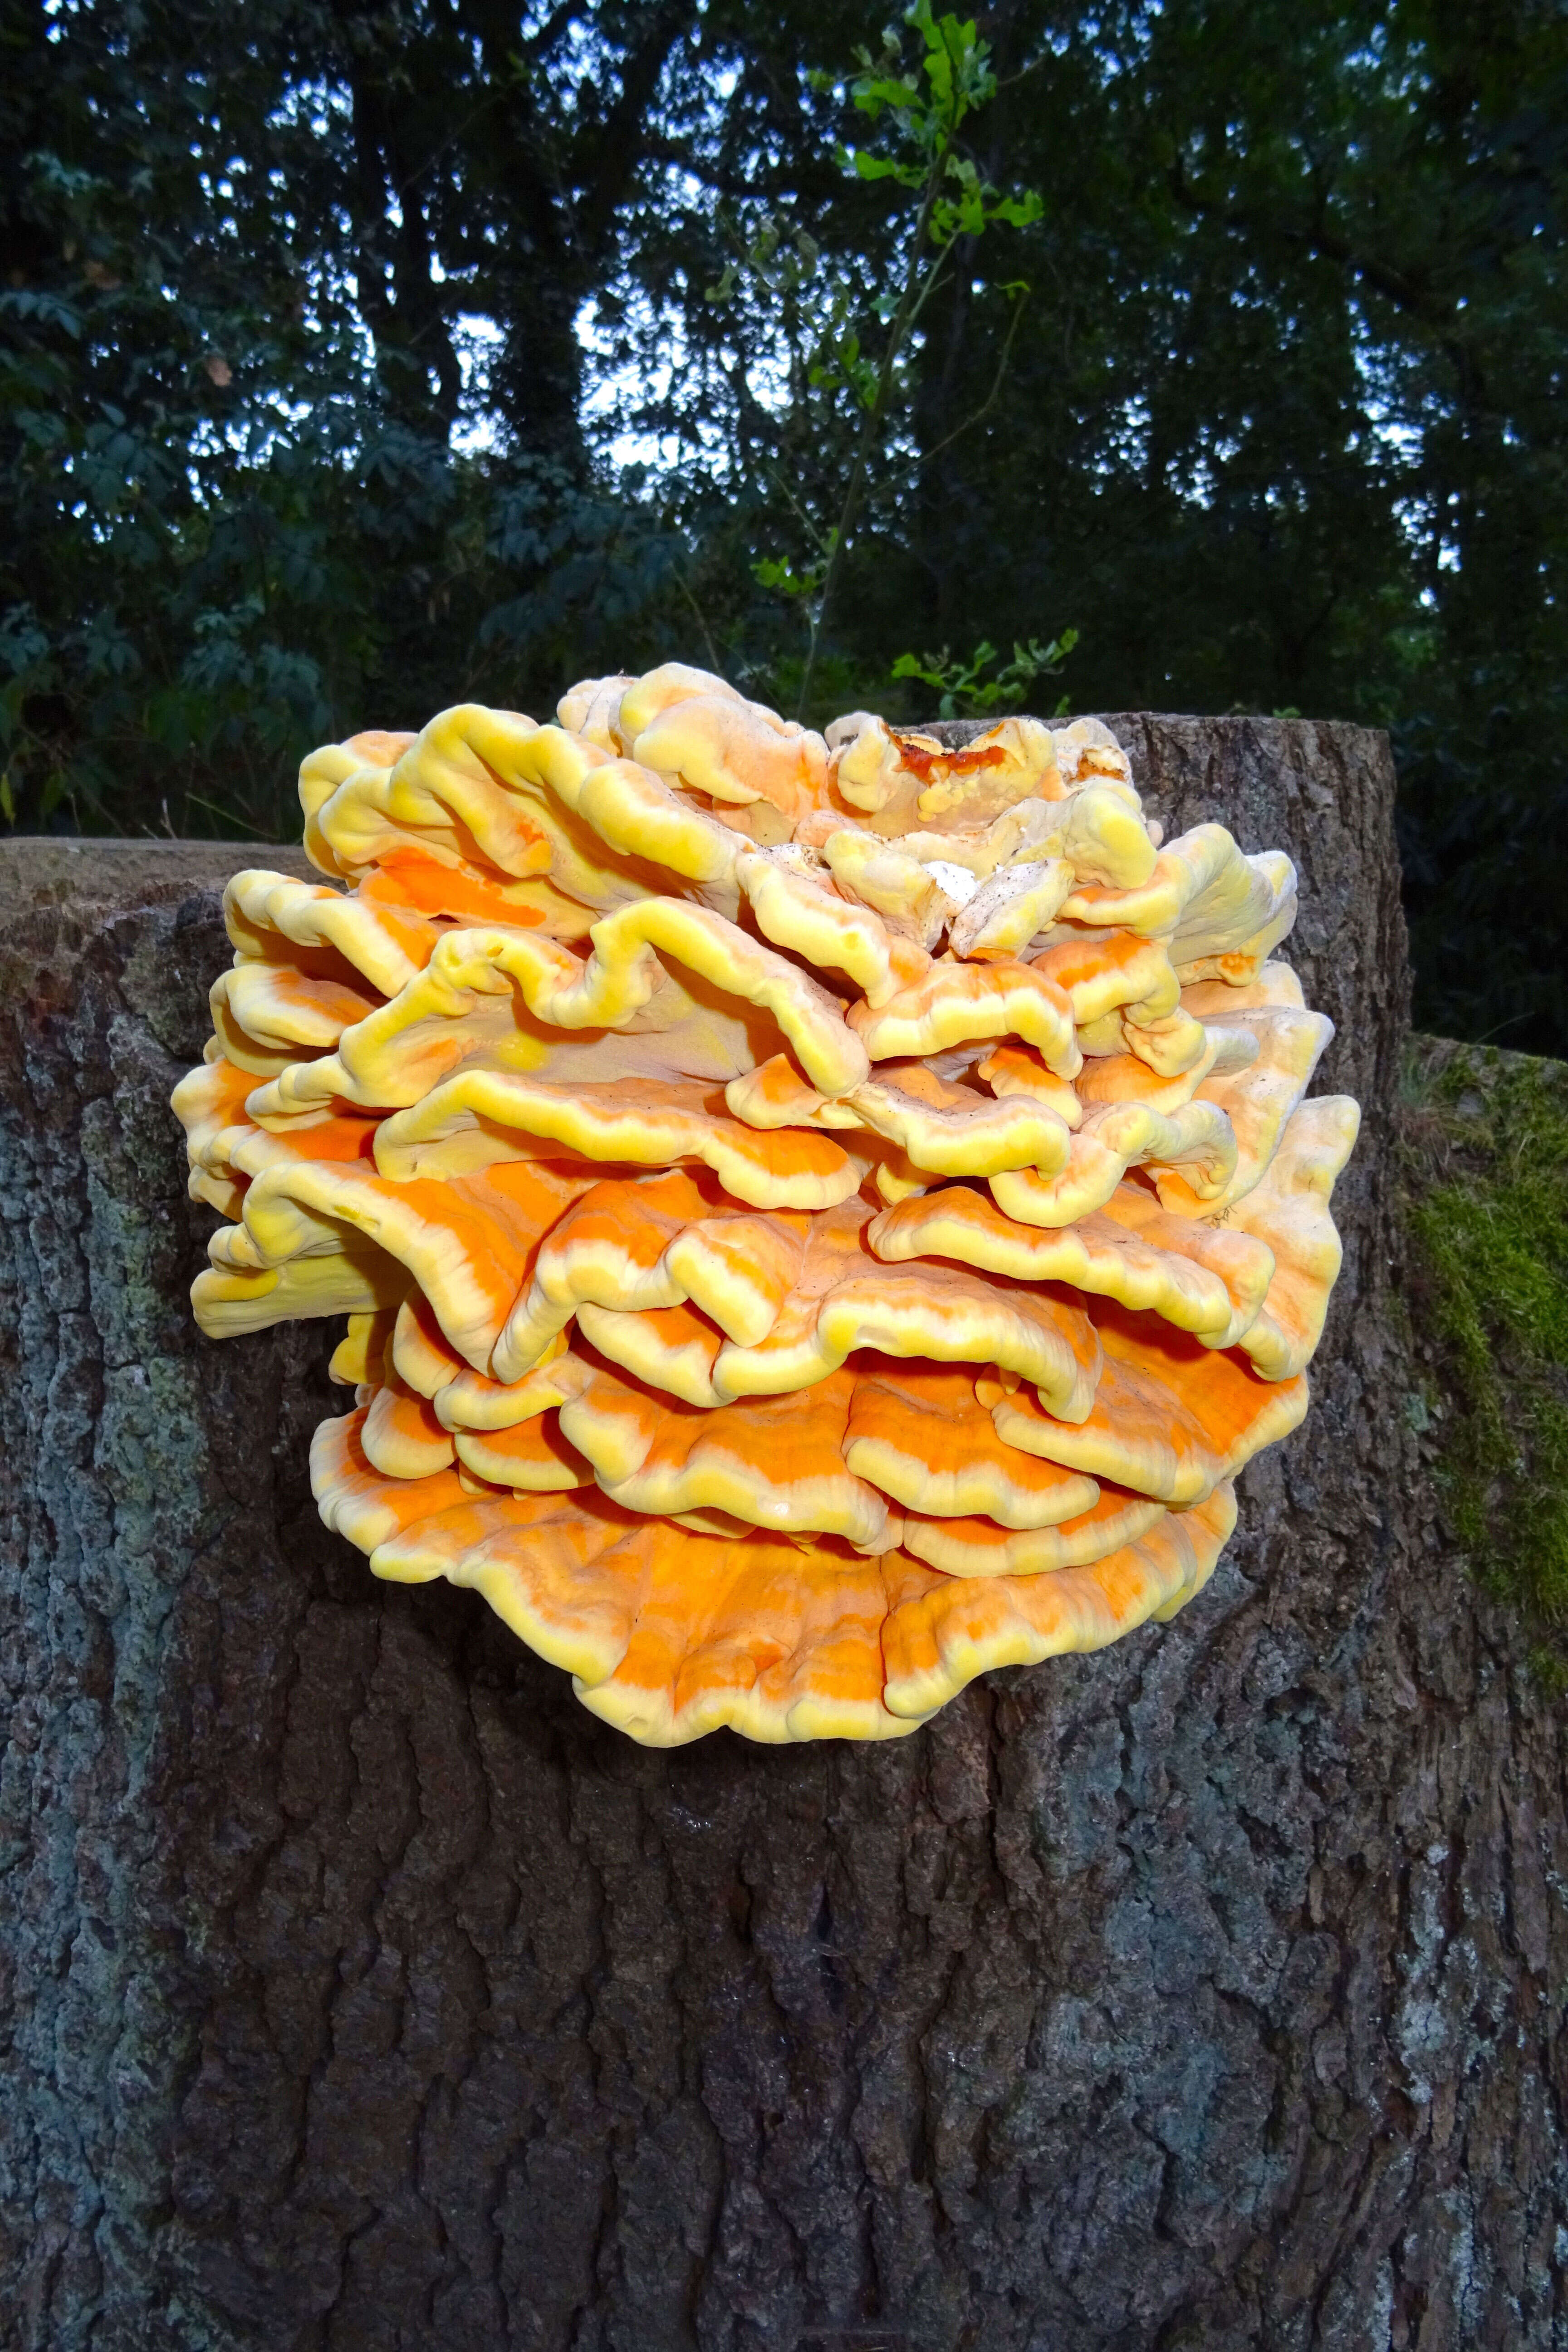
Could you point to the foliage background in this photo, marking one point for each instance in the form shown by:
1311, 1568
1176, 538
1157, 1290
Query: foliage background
358, 358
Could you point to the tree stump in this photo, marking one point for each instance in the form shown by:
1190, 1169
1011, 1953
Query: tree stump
364, 1990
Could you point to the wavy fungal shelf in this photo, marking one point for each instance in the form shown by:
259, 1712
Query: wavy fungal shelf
818, 1217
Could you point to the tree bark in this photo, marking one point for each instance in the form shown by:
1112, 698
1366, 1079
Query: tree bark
364, 1990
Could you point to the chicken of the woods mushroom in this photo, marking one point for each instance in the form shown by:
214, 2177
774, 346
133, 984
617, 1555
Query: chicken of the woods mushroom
817, 1217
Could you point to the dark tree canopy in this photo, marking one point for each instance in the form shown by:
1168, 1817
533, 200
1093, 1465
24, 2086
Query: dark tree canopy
358, 358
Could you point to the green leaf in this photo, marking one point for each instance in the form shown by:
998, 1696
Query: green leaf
875, 97
778, 573
1019, 211
964, 688
882, 167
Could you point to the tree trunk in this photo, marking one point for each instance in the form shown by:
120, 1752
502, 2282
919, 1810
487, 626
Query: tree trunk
364, 1990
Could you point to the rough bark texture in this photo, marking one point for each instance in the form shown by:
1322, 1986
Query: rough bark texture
362, 1991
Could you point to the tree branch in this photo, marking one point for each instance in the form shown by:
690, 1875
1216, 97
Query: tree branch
1400, 287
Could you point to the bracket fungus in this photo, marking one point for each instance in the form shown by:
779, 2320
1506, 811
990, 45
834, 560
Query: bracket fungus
817, 1216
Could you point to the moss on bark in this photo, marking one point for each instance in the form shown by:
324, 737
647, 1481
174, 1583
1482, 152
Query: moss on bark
1484, 1171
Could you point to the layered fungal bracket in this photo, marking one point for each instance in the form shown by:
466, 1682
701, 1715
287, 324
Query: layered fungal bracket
817, 1217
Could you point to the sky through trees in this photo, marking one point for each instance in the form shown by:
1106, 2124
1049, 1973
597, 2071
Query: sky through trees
358, 359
